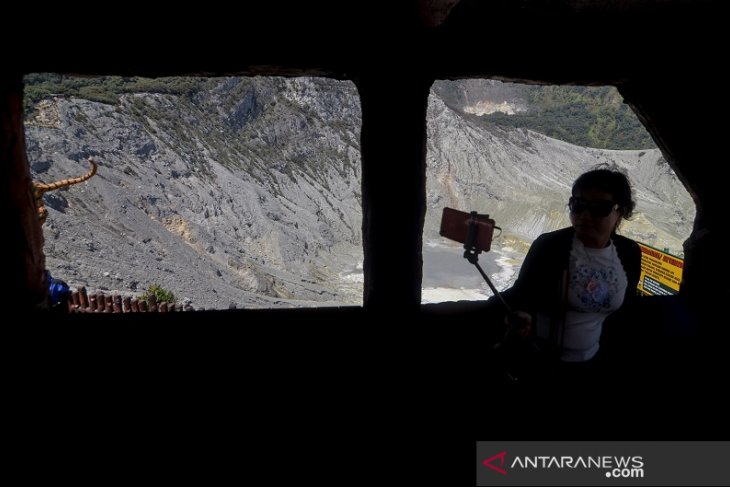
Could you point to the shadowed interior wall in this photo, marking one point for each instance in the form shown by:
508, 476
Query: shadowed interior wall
24, 260
366, 393
643, 47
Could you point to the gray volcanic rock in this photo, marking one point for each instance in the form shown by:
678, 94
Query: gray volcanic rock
523, 180
247, 192
192, 196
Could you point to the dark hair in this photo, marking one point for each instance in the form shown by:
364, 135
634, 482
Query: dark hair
611, 181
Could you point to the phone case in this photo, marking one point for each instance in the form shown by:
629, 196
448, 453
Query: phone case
455, 225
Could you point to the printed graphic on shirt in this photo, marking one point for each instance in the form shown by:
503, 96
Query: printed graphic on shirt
594, 287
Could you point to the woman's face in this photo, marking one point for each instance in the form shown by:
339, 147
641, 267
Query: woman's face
594, 215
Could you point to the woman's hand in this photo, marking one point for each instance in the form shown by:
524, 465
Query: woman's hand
520, 323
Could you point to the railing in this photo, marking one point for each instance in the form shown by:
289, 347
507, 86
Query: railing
81, 302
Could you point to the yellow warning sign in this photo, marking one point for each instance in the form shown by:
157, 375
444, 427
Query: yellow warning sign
661, 273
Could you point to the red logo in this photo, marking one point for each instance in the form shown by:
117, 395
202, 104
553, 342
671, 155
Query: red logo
488, 462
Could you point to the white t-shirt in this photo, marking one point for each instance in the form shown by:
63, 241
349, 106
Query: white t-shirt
596, 287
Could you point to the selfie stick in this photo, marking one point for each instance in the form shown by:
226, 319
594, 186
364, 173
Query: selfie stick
471, 253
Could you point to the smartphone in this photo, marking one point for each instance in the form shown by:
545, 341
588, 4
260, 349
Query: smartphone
455, 225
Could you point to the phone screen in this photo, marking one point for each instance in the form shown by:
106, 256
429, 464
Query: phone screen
455, 225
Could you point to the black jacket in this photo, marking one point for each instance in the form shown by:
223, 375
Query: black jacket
539, 288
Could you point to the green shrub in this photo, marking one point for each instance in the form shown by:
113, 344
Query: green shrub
585, 116
160, 293
105, 89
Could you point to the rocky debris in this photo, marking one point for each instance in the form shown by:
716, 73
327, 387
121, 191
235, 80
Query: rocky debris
248, 193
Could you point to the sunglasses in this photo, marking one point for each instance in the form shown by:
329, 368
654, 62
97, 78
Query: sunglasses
598, 209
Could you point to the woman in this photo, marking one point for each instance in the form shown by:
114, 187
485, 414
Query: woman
572, 279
